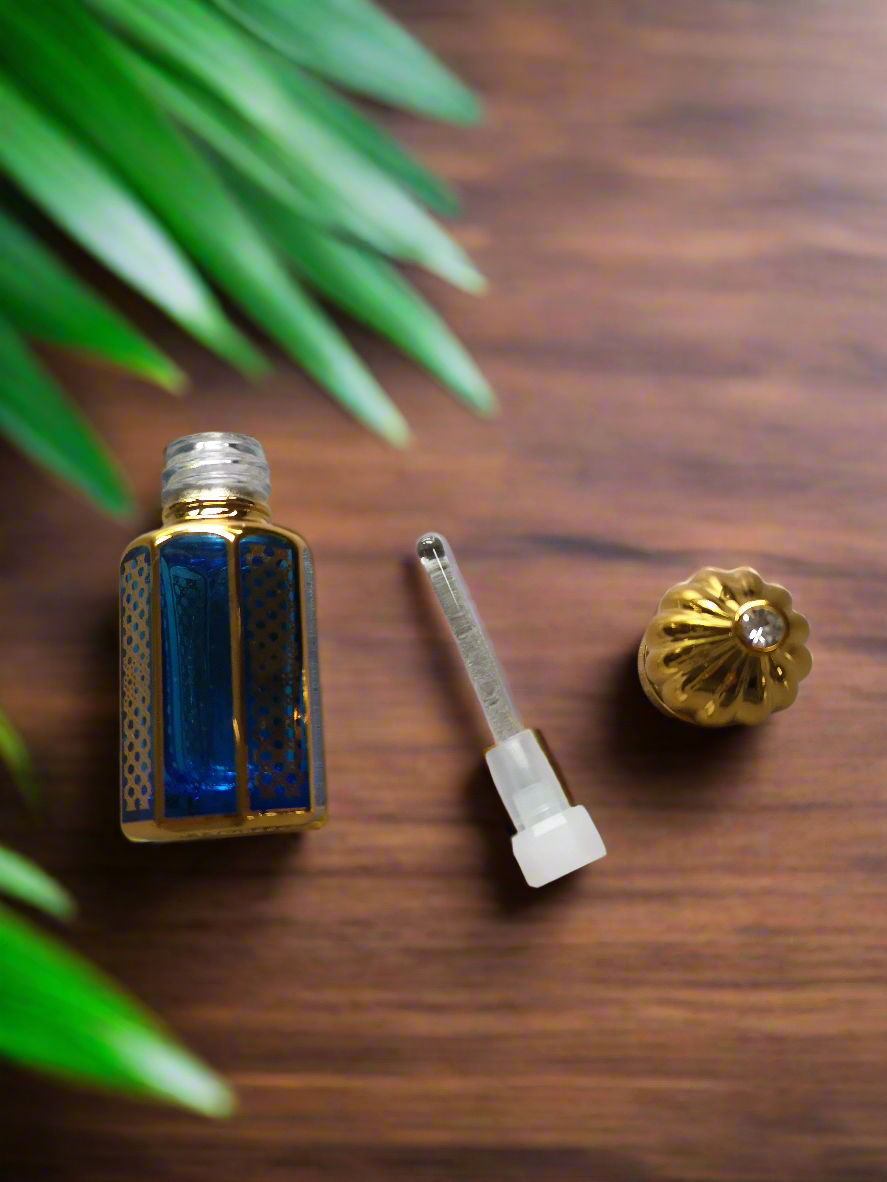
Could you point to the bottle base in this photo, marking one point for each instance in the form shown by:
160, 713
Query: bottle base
214, 828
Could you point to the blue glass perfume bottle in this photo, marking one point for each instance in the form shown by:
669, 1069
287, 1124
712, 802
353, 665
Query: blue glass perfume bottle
220, 692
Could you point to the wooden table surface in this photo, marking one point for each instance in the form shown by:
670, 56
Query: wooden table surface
683, 210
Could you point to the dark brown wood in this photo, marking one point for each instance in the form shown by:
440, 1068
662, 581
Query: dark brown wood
683, 211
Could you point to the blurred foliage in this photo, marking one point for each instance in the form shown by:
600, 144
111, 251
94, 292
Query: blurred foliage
59, 1015
198, 144
15, 755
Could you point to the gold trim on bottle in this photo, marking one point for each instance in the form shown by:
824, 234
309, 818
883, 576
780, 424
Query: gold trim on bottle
241, 748
157, 682
306, 681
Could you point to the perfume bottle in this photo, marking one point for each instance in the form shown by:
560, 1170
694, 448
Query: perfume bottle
219, 687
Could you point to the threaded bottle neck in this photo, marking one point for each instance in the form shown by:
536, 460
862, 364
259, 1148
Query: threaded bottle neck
214, 466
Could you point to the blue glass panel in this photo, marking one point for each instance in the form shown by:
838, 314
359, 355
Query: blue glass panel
274, 685
136, 687
199, 771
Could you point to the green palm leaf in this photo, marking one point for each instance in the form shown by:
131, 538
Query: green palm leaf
255, 157
341, 118
355, 44
358, 281
60, 1015
89, 106
375, 293
358, 195
14, 754
37, 417
77, 68
87, 199
22, 880
229, 136
42, 298
220, 126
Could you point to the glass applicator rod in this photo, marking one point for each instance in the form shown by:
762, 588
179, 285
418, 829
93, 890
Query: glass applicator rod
553, 837
474, 645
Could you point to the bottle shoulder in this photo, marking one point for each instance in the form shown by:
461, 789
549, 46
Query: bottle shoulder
274, 530
154, 538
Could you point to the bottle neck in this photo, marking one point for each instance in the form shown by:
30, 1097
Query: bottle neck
215, 474
215, 505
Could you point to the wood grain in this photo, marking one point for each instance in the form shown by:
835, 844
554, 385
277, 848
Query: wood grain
683, 211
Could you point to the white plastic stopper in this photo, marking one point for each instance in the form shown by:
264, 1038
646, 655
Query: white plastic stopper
552, 837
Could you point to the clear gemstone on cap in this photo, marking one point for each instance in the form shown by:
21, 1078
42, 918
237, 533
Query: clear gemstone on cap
761, 627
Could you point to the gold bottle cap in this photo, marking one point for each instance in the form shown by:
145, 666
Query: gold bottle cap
724, 648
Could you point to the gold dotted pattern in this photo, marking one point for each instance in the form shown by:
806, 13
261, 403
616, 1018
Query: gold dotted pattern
136, 757
273, 682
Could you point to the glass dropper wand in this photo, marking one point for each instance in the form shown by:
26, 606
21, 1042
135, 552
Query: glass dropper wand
554, 837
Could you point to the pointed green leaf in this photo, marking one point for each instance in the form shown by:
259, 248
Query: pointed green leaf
223, 130
58, 1014
22, 880
84, 197
201, 42
13, 751
77, 67
374, 292
249, 150
342, 118
38, 417
42, 298
355, 44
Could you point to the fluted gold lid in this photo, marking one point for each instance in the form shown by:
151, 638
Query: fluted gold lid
724, 648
